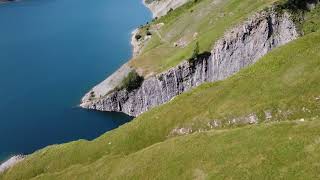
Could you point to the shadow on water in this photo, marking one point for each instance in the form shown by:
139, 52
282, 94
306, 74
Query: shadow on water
116, 118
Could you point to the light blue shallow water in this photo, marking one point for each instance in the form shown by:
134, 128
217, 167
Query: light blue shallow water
51, 53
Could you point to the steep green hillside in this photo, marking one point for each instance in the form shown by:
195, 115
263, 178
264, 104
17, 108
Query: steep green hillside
202, 21
288, 150
282, 86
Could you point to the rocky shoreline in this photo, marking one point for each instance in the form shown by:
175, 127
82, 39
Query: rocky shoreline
11, 162
112, 81
99, 90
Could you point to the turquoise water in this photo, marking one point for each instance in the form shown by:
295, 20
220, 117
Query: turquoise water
51, 53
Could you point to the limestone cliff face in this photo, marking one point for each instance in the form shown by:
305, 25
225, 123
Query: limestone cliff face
239, 48
161, 7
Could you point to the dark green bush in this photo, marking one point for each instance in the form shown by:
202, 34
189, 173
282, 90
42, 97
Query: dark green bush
148, 33
311, 21
138, 36
295, 5
298, 9
195, 53
132, 81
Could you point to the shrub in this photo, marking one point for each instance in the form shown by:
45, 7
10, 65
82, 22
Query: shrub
132, 81
148, 33
295, 5
195, 53
312, 21
298, 8
138, 36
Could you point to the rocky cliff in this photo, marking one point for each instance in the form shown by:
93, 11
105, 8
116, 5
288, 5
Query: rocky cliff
239, 48
161, 7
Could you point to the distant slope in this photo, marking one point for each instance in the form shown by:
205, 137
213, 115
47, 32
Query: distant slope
174, 36
161, 7
282, 86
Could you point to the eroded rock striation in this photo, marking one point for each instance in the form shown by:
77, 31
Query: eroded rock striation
239, 48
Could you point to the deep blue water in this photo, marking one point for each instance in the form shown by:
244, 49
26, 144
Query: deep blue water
51, 53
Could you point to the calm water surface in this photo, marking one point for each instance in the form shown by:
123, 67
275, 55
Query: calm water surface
51, 53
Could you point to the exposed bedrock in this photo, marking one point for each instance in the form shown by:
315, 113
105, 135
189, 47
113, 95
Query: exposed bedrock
239, 48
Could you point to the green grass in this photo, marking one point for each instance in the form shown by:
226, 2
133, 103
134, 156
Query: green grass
209, 18
312, 21
286, 150
285, 82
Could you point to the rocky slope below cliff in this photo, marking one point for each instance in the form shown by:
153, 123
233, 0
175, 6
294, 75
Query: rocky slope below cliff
239, 48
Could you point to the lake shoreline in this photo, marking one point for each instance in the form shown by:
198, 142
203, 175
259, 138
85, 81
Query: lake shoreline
94, 95
112, 81
11, 162
15, 159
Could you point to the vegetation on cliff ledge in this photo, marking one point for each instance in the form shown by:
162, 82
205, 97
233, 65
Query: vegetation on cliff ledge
132, 81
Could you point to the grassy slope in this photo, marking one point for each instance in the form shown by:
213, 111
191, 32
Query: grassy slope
209, 18
285, 80
288, 150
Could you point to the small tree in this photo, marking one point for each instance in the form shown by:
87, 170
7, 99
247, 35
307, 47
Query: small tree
196, 50
195, 53
132, 81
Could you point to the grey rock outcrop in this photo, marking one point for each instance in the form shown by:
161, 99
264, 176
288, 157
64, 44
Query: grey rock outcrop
239, 48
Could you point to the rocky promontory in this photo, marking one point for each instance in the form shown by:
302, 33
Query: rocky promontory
240, 47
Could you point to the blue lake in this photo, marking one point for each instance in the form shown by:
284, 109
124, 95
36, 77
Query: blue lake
51, 53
